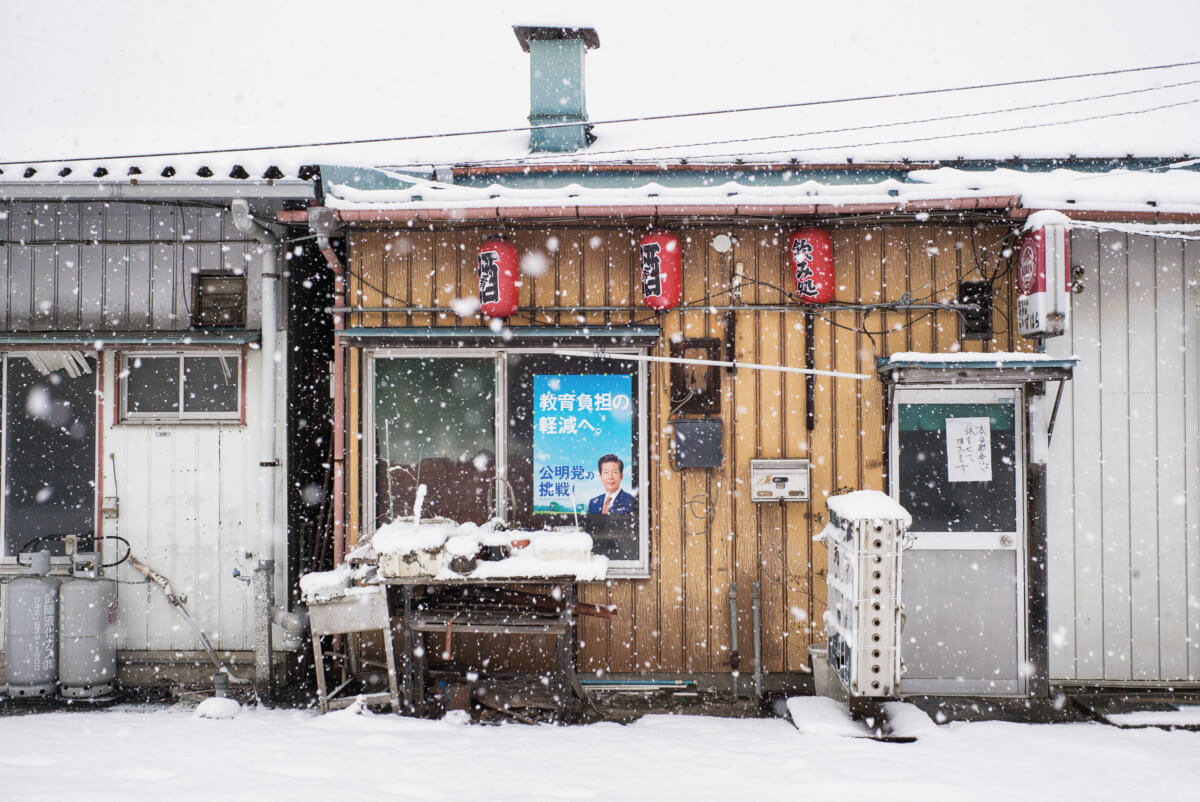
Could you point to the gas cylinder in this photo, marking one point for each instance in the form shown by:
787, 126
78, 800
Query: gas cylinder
810, 253
31, 630
662, 270
87, 647
499, 266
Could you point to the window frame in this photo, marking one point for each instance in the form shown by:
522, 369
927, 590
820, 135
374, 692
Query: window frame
227, 418
625, 569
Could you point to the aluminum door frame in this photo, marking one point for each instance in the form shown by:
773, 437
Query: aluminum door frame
974, 541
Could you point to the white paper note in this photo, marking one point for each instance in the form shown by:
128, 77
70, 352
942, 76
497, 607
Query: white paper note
969, 449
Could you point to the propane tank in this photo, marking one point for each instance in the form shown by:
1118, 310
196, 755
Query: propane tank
499, 265
662, 270
810, 253
87, 648
31, 630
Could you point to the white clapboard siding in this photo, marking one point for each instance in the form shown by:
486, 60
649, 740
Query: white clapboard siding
189, 509
67, 266
1123, 521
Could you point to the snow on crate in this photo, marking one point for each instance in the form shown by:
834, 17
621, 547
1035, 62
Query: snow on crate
322, 586
870, 504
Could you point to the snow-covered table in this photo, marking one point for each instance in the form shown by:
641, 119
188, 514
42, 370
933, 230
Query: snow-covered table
526, 615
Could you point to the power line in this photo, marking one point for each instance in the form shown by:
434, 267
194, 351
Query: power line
615, 121
934, 137
549, 157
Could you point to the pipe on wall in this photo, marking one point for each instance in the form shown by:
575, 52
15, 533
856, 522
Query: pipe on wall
322, 223
758, 672
269, 529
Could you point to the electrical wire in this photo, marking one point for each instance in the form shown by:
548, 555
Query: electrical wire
620, 120
933, 138
943, 118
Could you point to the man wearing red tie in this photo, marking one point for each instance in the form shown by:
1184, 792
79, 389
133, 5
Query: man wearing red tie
614, 500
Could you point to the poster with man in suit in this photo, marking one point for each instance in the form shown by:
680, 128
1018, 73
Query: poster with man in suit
583, 455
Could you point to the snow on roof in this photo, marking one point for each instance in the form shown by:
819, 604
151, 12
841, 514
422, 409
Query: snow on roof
1173, 188
392, 72
237, 175
993, 358
1156, 190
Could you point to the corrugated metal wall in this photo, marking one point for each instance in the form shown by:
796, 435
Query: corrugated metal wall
1124, 497
188, 493
131, 275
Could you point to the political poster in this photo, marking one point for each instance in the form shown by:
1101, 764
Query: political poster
577, 420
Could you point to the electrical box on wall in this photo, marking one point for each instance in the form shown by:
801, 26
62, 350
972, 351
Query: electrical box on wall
696, 389
697, 443
975, 324
779, 480
218, 300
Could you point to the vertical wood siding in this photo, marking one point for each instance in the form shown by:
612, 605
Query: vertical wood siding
705, 531
113, 266
1125, 553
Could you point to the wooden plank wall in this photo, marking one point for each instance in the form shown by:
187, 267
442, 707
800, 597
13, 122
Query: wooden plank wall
1124, 559
705, 531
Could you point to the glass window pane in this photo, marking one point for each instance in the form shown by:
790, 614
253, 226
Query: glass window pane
573, 447
152, 384
210, 383
51, 455
940, 502
435, 425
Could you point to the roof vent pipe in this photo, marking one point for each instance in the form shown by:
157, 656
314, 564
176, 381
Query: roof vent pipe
557, 107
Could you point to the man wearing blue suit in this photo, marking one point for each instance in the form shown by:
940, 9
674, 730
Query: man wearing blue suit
614, 500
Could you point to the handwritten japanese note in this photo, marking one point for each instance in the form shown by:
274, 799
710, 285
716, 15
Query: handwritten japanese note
969, 449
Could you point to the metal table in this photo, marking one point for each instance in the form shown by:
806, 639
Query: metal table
416, 623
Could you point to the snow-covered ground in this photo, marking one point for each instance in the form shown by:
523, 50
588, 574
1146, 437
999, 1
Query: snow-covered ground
171, 754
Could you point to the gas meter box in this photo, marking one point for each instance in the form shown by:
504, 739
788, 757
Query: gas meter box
779, 479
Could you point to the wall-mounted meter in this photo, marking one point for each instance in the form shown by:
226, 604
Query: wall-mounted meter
779, 479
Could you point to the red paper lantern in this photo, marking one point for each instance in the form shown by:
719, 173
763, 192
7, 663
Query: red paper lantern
662, 270
810, 251
499, 266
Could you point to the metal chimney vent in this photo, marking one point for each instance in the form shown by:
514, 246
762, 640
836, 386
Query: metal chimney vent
557, 107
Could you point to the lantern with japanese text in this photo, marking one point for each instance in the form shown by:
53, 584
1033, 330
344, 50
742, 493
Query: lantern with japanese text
810, 251
662, 270
499, 266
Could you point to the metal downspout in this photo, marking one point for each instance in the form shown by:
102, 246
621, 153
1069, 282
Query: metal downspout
268, 532
323, 223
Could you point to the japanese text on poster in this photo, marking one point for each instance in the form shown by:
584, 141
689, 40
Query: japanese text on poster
969, 449
577, 419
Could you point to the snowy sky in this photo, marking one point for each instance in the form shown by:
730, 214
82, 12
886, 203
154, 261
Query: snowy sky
129, 76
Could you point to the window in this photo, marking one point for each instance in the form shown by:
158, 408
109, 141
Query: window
536, 438
191, 388
48, 434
